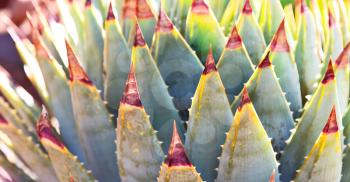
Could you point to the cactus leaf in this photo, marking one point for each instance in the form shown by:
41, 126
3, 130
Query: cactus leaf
92, 59
154, 95
201, 22
324, 162
252, 36
271, 14
210, 118
272, 109
66, 166
177, 63
61, 103
238, 159
177, 167
341, 70
306, 56
310, 125
234, 65
116, 63
95, 130
286, 68
138, 148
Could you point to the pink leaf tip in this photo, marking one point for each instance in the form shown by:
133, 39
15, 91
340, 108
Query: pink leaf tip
40, 49
331, 19
210, 63
234, 40
245, 98
266, 61
131, 94
199, 7
3, 120
329, 76
247, 8
331, 125
76, 72
143, 10
164, 24
139, 40
110, 14
45, 130
279, 41
176, 155
303, 6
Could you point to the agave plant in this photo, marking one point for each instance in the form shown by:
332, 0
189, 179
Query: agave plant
230, 90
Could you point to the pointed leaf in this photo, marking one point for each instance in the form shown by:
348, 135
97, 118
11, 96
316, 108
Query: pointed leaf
238, 160
234, 65
286, 69
116, 61
60, 103
92, 59
210, 118
153, 91
177, 167
310, 125
201, 22
138, 147
252, 36
324, 162
306, 55
177, 63
95, 130
66, 165
272, 109
231, 13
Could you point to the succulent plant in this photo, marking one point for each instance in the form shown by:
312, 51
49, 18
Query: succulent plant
230, 90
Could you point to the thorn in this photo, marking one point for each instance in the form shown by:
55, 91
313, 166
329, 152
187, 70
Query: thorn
76, 72
176, 154
234, 40
210, 63
110, 14
164, 24
245, 98
331, 125
266, 61
279, 41
329, 75
308, 97
199, 7
45, 130
247, 9
139, 40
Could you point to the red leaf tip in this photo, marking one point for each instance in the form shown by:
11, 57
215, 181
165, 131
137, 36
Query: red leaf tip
266, 61
329, 76
45, 130
164, 24
139, 40
344, 57
247, 8
245, 98
40, 49
199, 7
110, 14
76, 72
279, 41
176, 155
303, 6
88, 3
234, 40
331, 19
143, 10
331, 125
210, 63
131, 94
3, 120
